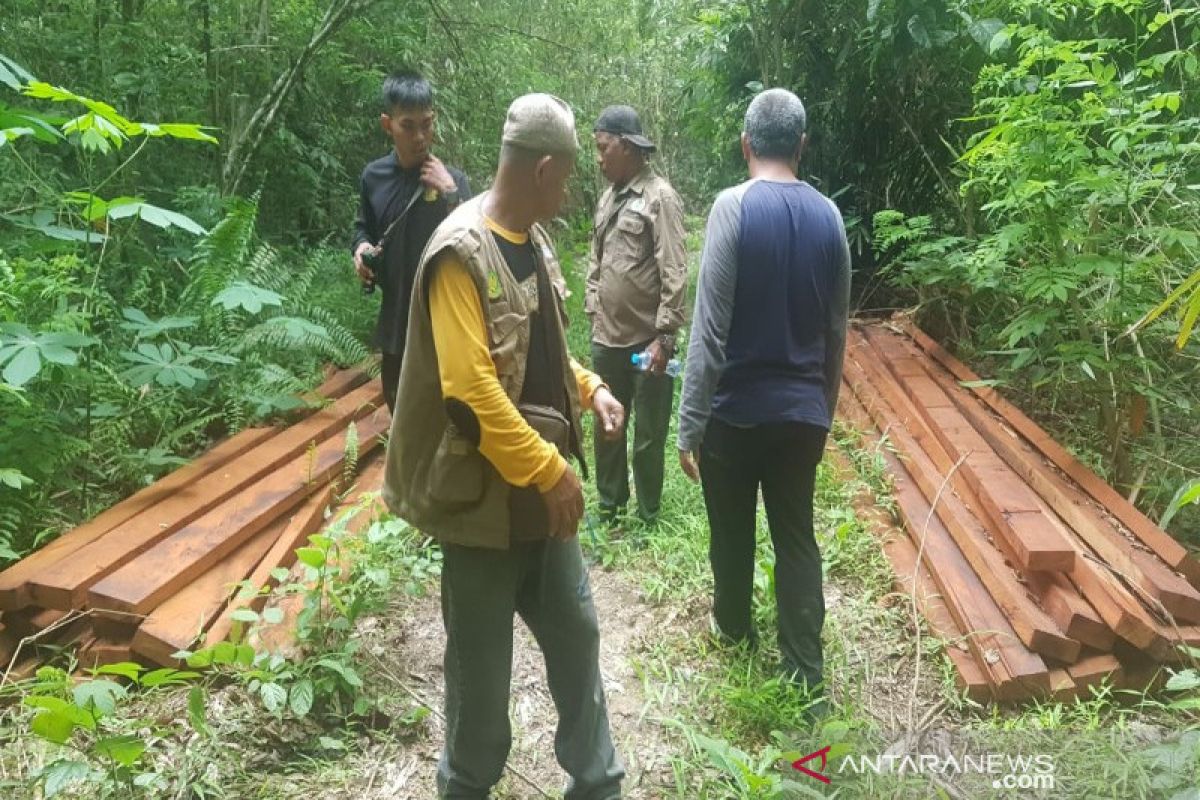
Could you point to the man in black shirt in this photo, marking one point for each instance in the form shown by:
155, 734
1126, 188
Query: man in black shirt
403, 197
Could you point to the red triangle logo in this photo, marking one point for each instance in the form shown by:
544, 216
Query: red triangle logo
824, 754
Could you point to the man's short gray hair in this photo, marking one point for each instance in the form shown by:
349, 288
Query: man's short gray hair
775, 123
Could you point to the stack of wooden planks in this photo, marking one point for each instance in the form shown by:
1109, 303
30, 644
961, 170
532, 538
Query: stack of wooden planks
1042, 580
158, 572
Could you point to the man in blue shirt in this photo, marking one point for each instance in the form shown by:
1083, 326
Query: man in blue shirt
761, 382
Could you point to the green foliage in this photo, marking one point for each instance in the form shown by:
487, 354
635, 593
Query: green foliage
99, 746
1083, 165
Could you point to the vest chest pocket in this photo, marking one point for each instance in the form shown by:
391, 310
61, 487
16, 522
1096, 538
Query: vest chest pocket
456, 476
507, 327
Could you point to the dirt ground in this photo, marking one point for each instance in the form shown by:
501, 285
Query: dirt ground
409, 650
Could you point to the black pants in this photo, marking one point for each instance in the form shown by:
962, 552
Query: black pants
389, 376
647, 399
782, 458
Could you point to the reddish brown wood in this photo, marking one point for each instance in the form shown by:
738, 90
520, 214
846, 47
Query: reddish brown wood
305, 521
1094, 669
1034, 628
101, 652
1015, 671
339, 384
67, 585
115, 627
1062, 687
14, 590
180, 621
31, 620
1001, 494
1073, 615
280, 638
1158, 540
162, 570
1079, 511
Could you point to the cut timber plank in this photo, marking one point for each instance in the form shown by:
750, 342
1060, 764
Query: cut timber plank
306, 520
281, 637
155, 575
969, 677
115, 627
1006, 499
1032, 625
1094, 669
67, 585
101, 652
14, 590
1012, 669
180, 621
1141, 568
1063, 688
32, 620
1074, 615
1158, 540
340, 383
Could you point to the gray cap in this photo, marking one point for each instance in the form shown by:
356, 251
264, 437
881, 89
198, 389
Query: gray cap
540, 123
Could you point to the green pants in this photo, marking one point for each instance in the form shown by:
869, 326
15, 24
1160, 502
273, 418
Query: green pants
647, 400
547, 584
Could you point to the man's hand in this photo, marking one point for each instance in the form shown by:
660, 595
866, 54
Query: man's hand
610, 414
435, 175
564, 505
690, 464
364, 272
659, 356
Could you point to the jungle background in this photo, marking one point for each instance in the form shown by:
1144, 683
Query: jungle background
178, 181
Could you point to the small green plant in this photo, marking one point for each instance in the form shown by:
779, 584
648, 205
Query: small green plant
101, 747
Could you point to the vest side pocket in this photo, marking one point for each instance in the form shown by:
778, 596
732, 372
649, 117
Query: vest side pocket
456, 476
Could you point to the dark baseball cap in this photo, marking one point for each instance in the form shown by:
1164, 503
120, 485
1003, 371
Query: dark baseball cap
623, 121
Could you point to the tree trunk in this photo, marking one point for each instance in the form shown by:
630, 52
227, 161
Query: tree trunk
244, 143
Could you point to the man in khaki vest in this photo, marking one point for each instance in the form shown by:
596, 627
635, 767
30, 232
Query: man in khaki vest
636, 282
487, 412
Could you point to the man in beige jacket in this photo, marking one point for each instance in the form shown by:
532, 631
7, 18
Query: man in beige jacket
636, 282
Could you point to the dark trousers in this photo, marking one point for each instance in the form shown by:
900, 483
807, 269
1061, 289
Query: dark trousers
782, 458
389, 376
547, 584
648, 398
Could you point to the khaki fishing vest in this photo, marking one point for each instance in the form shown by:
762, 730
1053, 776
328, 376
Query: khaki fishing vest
436, 479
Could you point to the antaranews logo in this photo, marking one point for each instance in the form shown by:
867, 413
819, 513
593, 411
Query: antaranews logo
1006, 771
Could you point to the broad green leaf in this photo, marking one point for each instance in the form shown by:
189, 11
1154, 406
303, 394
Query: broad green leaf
125, 669
312, 556
272, 615
13, 478
245, 615
167, 677
125, 749
273, 696
54, 726
62, 773
1188, 493
159, 217
246, 296
23, 367
100, 694
12, 74
1183, 681
300, 698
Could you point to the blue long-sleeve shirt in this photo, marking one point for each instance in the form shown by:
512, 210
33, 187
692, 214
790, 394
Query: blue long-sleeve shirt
769, 329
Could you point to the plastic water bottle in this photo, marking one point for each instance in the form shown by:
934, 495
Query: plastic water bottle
641, 361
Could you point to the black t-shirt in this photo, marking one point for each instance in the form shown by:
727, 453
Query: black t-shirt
385, 189
539, 386
543, 385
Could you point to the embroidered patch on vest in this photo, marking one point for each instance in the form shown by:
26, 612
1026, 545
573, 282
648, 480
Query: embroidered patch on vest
493, 285
431, 195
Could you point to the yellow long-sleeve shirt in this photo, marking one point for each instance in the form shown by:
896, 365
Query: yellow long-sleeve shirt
468, 374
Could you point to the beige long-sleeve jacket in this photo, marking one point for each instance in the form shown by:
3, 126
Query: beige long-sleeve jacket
637, 264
